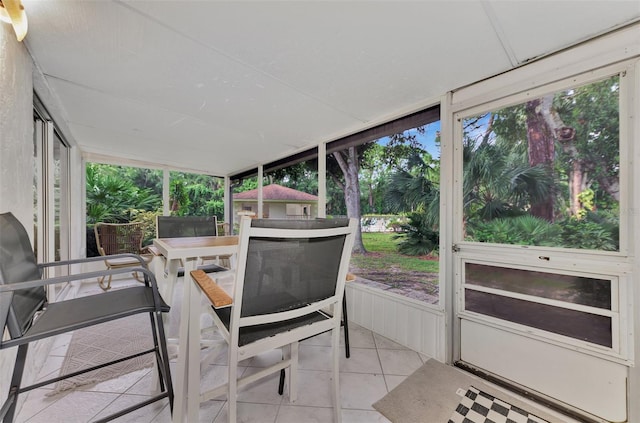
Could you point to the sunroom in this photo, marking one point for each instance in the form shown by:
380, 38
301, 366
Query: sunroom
239, 91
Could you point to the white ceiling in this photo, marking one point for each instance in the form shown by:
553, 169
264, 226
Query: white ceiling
220, 87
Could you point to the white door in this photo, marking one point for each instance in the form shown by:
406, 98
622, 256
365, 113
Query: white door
542, 285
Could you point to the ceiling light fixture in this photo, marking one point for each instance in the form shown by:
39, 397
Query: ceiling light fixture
12, 11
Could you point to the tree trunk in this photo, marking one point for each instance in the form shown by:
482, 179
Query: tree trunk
566, 137
348, 162
541, 152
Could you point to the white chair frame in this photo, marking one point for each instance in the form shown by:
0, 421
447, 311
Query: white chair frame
287, 340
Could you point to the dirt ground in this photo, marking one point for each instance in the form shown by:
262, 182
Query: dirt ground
421, 286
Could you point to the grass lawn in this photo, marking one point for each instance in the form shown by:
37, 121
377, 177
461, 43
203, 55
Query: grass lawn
383, 267
382, 253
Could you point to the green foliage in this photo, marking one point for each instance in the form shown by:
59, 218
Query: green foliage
111, 197
148, 218
417, 237
586, 199
592, 233
196, 195
520, 230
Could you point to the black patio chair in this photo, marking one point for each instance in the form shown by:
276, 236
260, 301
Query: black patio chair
28, 316
191, 226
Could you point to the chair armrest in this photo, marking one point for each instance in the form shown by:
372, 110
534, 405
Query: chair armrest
78, 276
216, 295
153, 250
91, 259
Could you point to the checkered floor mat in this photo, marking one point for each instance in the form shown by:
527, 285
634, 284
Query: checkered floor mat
479, 407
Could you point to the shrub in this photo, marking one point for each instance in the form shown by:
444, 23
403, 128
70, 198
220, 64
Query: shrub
417, 237
591, 233
519, 230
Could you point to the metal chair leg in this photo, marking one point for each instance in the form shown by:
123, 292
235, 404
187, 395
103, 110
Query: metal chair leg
345, 322
16, 379
281, 383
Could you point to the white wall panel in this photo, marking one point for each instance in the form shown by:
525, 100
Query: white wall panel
414, 324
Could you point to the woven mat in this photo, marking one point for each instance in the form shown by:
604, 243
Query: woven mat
105, 342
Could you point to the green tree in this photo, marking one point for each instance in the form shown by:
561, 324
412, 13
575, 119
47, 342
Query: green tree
194, 194
111, 197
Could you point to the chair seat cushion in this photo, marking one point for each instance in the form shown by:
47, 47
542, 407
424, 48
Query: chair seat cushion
90, 310
249, 334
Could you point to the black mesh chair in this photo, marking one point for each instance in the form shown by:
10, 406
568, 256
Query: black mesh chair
190, 226
28, 317
289, 272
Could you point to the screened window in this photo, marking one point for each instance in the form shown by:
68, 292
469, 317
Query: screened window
546, 172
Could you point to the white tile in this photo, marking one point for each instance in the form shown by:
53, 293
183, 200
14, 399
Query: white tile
208, 411
266, 359
362, 360
313, 357
143, 386
361, 379
324, 339
35, 401
61, 344
51, 368
399, 362
393, 381
363, 416
142, 415
75, 407
386, 343
263, 391
297, 414
359, 337
360, 390
250, 413
213, 376
314, 389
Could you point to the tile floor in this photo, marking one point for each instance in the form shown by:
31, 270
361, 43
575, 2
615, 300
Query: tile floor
376, 366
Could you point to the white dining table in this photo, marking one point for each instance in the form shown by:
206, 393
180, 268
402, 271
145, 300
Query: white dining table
186, 251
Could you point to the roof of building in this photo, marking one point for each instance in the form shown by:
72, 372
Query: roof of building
275, 192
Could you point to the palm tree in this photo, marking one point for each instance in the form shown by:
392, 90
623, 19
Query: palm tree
499, 182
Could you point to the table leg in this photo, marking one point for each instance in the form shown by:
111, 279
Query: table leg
193, 357
181, 379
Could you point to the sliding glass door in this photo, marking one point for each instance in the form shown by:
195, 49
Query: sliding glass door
51, 197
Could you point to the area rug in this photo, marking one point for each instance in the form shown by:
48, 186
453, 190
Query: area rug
477, 406
105, 342
433, 392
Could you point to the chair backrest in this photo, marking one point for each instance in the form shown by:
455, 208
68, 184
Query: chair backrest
183, 226
117, 238
18, 264
285, 265
223, 228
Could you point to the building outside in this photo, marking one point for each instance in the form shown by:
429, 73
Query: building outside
278, 203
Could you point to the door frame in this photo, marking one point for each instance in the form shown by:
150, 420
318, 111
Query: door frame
530, 82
